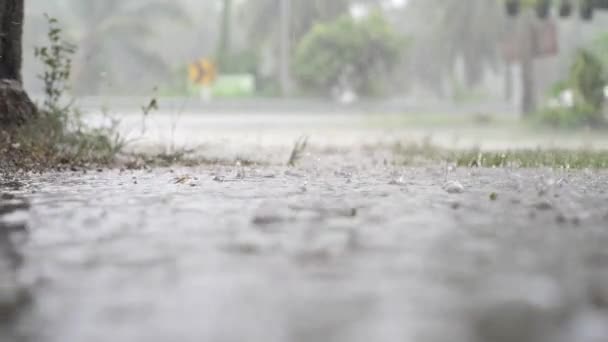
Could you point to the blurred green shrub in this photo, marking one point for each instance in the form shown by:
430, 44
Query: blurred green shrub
349, 54
586, 82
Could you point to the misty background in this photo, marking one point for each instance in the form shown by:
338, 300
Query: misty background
427, 50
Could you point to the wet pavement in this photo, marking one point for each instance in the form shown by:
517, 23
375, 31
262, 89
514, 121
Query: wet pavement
332, 250
348, 246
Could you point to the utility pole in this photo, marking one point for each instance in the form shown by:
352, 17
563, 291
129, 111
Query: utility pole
285, 48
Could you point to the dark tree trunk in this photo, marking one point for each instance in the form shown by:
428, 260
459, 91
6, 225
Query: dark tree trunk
11, 26
15, 106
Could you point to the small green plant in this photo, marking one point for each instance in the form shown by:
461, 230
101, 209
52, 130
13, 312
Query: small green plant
59, 135
57, 61
297, 152
147, 109
150, 107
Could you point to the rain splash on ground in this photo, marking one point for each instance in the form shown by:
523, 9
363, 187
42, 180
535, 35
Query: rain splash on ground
344, 247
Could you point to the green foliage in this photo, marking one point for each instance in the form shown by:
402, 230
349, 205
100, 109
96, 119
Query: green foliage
533, 158
558, 88
416, 154
358, 53
57, 61
586, 80
59, 135
599, 47
566, 118
587, 77
297, 152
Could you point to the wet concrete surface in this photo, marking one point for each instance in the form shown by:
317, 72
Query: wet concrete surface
328, 251
13, 293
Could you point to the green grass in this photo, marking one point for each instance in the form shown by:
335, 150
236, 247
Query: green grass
554, 158
57, 135
58, 139
413, 154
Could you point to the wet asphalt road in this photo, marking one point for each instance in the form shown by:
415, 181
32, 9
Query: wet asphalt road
345, 247
332, 250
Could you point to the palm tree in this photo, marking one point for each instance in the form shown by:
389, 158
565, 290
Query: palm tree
113, 39
259, 15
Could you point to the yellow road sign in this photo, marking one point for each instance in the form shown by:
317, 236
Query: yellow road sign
202, 72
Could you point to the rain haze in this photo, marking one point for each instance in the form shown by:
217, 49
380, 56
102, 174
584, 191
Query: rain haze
304, 170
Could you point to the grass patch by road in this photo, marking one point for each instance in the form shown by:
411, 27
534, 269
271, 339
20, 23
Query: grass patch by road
415, 154
57, 136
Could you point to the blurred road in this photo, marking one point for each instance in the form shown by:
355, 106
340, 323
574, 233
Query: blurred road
265, 129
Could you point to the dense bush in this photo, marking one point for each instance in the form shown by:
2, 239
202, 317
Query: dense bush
348, 54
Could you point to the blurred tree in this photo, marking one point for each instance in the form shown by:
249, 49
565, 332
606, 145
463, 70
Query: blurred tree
113, 33
260, 16
586, 83
471, 33
232, 59
260, 19
467, 32
349, 54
